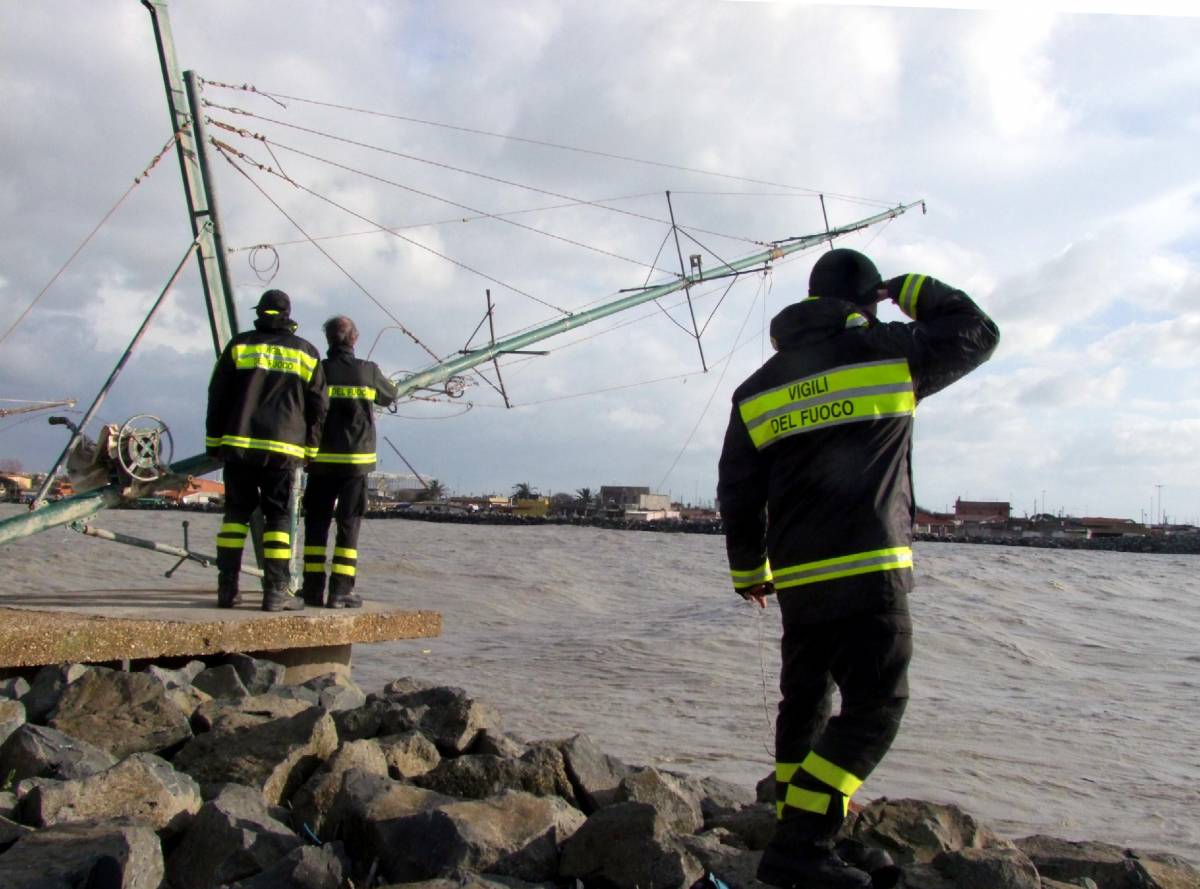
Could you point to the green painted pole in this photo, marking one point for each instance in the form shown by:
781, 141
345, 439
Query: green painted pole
446, 369
60, 512
214, 275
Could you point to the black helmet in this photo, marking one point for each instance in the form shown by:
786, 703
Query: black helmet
845, 274
275, 303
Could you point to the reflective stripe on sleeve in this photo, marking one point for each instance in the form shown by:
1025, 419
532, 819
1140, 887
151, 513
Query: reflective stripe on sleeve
843, 566
853, 393
907, 300
743, 580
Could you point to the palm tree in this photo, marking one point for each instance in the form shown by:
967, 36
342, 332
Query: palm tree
434, 490
523, 491
585, 498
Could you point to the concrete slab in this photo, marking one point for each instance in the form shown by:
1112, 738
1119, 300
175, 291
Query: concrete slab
114, 625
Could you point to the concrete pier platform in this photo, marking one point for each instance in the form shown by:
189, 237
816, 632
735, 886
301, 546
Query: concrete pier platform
153, 624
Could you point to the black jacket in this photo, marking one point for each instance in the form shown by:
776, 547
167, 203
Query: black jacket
266, 398
815, 484
354, 386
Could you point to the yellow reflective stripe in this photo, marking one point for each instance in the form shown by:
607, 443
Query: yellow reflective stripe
346, 459
778, 809
262, 444
314, 567
345, 553
349, 570
276, 553
848, 394
856, 320
263, 356
844, 566
210, 442
314, 551
277, 537
807, 800
907, 301
231, 543
844, 782
746, 579
352, 392
785, 770
229, 528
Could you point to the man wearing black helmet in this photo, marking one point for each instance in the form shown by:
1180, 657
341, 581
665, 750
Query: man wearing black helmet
266, 405
815, 490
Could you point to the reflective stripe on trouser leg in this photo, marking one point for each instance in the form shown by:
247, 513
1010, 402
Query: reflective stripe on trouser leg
349, 514
277, 557
231, 539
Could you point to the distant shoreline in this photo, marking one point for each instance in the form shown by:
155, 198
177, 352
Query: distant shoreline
1175, 545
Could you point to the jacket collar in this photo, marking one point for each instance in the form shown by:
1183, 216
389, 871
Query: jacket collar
813, 319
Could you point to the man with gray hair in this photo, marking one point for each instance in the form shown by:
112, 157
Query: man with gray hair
337, 475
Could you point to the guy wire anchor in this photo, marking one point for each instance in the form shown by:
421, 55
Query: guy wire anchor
195, 557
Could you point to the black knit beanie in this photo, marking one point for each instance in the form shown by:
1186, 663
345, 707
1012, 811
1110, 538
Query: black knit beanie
845, 274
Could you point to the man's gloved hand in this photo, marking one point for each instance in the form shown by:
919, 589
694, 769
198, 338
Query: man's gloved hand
758, 593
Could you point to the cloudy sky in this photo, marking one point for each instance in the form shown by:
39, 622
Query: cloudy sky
526, 148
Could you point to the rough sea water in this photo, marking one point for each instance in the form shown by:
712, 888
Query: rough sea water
1052, 691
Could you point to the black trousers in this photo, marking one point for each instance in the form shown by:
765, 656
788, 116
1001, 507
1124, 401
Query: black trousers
326, 498
248, 488
821, 759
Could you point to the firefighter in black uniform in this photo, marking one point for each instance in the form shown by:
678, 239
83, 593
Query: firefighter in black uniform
266, 403
337, 474
815, 489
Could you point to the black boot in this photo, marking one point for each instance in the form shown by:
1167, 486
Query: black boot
314, 591
809, 867
227, 591
344, 600
279, 599
876, 862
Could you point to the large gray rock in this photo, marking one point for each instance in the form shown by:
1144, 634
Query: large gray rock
14, 688
751, 827
988, 869
1111, 867
717, 796
12, 717
335, 691
10, 832
232, 837
595, 776
47, 687
178, 685
409, 754
141, 787
221, 682
315, 798
628, 845
721, 853
309, 867
122, 713
8, 803
257, 674
675, 803
118, 856
275, 757
365, 721
478, 776
917, 831
34, 751
514, 834
365, 797
445, 715
227, 714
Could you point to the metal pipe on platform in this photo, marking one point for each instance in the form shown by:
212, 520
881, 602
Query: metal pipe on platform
179, 552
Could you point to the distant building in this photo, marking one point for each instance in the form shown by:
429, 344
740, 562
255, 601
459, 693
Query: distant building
982, 511
394, 486
621, 497
1096, 527
938, 523
197, 491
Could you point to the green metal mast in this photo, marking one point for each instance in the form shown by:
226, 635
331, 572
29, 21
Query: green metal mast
183, 104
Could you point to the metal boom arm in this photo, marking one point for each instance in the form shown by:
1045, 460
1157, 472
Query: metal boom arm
440, 372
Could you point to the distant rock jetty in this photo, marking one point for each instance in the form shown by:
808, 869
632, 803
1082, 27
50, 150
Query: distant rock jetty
219, 775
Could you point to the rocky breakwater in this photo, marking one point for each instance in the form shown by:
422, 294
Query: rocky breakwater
219, 775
